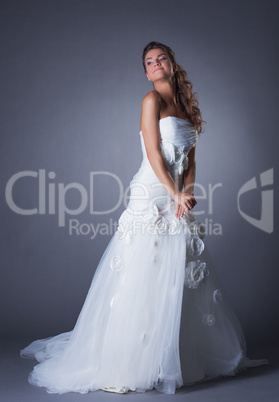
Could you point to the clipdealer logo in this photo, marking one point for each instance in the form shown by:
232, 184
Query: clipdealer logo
266, 220
49, 192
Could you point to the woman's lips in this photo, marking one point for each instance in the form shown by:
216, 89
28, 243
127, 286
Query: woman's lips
158, 69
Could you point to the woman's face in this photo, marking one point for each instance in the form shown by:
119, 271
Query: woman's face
158, 65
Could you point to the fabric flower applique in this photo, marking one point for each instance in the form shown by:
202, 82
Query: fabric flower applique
116, 263
217, 296
197, 229
160, 224
173, 227
190, 219
195, 273
182, 159
208, 319
175, 155
196, 246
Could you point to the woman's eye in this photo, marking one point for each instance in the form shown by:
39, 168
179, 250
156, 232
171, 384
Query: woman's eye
160, 59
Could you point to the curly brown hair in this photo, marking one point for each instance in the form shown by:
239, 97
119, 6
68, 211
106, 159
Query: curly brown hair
183, 87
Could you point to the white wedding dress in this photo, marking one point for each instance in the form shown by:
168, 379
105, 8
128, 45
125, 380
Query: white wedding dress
155, 314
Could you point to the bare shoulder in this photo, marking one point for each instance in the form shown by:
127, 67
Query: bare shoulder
152, 98
151, 104
150, 114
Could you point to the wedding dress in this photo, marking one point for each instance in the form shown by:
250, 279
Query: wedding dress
155, 315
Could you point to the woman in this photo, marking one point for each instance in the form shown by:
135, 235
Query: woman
172, 96
153, 276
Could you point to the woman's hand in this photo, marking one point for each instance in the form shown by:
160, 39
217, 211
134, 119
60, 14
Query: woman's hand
183, 203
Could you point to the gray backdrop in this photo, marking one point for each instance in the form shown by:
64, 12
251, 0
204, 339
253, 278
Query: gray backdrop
72, 85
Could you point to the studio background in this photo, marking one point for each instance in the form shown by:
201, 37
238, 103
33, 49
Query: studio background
72, 84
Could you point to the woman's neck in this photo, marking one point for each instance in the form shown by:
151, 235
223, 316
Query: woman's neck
166, 91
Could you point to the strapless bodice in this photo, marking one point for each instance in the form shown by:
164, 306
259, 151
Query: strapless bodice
178, 136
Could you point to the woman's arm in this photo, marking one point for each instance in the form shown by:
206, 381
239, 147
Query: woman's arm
190, 173
150, 131
188, 183
151, 135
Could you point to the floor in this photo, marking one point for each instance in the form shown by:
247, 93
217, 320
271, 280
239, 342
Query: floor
258, 384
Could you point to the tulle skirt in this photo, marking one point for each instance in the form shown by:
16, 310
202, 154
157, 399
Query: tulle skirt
155, 316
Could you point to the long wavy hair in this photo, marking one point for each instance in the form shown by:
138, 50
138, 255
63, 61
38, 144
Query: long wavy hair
182, 85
